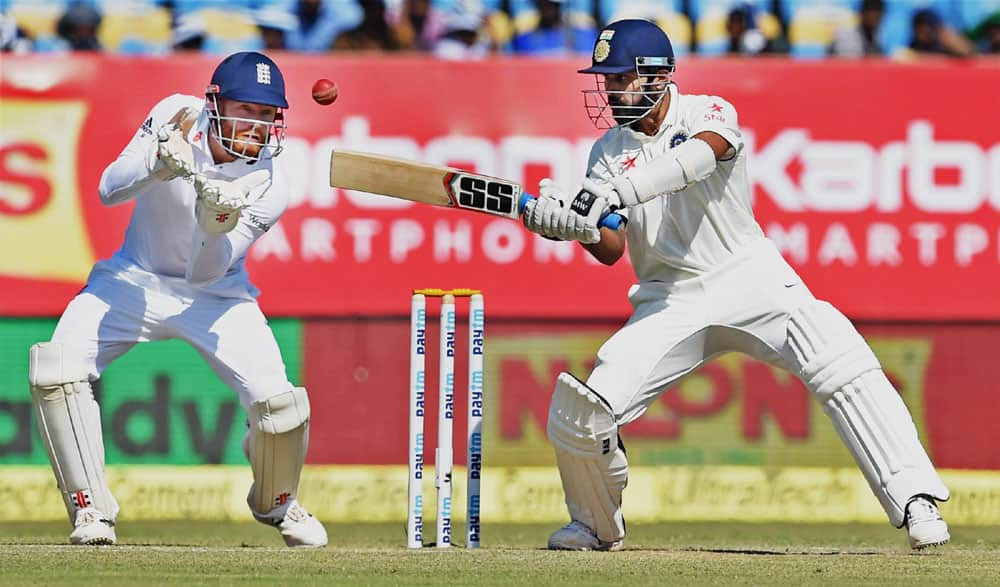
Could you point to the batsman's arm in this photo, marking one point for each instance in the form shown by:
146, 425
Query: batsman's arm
610, 248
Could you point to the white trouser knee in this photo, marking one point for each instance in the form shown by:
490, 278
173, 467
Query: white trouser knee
845, 376
277, 441
593, 468
69, 421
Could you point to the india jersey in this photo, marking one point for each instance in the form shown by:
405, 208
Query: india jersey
160, 239
688, 232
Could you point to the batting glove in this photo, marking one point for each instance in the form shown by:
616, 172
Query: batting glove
542, 215
618, 191
580, 220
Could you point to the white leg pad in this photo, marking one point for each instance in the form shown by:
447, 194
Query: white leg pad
69, 421
594, 470
842, 372
277, 440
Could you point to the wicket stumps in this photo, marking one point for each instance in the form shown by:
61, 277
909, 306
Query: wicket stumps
444, 458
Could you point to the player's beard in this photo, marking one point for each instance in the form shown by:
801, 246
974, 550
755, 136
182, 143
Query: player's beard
625, 114
248, 144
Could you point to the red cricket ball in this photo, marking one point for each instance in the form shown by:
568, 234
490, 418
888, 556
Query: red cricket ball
325, 92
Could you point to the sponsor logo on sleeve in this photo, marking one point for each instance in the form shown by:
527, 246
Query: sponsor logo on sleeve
258, 222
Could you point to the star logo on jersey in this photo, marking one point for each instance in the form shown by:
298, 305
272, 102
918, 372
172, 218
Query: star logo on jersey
716, 108
629, 162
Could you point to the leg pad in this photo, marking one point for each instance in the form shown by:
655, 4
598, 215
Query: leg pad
592, 466
277, 441
838, 366
69, 421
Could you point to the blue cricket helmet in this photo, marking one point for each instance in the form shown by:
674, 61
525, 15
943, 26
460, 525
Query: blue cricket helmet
250, 76
625, 44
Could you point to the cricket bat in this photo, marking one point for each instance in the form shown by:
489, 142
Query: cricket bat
436, 185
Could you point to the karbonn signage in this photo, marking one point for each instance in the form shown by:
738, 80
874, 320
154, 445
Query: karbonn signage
856, 181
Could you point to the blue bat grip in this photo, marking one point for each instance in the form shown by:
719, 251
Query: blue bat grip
609, 220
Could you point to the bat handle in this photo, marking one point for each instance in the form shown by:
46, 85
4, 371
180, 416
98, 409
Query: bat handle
609, 220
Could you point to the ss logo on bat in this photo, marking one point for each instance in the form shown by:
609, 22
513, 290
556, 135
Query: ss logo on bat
477, 193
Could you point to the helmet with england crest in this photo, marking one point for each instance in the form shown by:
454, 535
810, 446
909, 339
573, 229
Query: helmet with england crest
245, 102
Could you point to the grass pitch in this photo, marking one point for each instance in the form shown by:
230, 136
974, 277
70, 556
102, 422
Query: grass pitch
245, 553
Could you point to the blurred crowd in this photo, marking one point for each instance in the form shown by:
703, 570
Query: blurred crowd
472, 29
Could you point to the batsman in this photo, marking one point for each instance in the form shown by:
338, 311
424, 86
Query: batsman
201, 174
708, 282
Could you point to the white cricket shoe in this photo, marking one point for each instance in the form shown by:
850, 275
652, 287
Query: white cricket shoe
92, 527
925, 524
577, 536
299, 528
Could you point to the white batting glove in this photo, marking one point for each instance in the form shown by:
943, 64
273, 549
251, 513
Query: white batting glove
550, 189
542, 215
220, 201
580, 221
618, 191
173, 154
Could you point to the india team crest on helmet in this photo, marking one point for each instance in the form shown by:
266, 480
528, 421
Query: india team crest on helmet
603, 46
601, 51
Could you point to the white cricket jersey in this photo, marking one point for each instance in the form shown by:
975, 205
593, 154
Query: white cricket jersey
164, 245
688, 232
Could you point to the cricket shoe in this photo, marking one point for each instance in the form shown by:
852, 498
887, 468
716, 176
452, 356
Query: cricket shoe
92, 527
577, 536
925, 524
297, 526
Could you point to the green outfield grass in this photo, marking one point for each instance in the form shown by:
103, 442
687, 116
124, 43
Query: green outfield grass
244, 553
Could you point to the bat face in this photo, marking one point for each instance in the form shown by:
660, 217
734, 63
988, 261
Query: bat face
433, 184
482, 193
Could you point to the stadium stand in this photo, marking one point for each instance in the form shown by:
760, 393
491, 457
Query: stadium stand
709, 18
806, 27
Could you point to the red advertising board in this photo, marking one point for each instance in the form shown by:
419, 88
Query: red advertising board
879, 181
732, 411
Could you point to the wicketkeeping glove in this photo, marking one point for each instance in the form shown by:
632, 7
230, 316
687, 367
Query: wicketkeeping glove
173, 154
220, 201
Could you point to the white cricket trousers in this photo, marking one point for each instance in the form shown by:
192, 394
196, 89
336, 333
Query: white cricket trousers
112, 314
743, 306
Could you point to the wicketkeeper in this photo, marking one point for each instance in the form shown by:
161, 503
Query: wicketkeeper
200, 173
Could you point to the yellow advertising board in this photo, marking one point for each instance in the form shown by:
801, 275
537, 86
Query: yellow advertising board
41, 218
342, 494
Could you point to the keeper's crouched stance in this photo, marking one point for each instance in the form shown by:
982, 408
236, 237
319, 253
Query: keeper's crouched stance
200, 173
709, 282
